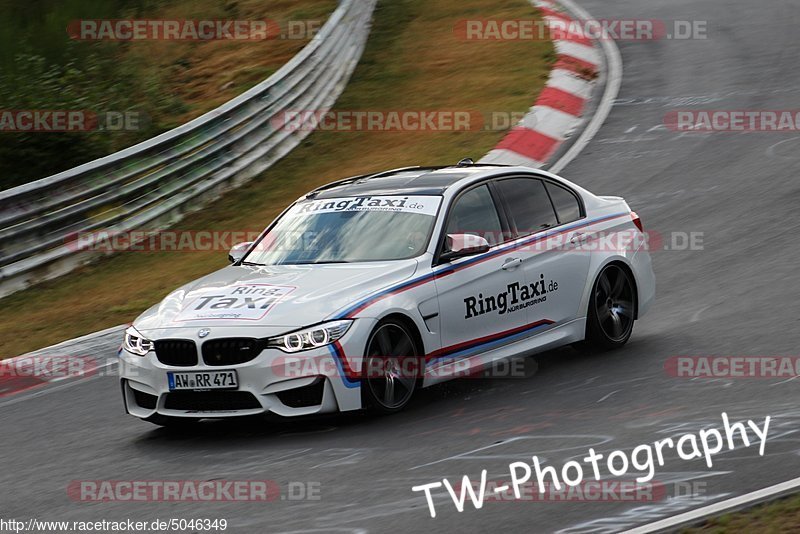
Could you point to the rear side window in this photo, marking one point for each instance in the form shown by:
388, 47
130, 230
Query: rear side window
474, 213
567, 206
528, 204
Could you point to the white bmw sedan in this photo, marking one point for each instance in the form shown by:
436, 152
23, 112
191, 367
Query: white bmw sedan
372, 287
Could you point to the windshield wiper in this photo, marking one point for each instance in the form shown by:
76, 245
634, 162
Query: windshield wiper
321, 262
251, 264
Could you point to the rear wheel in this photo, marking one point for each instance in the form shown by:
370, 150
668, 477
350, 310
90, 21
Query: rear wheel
609, 323
392, 367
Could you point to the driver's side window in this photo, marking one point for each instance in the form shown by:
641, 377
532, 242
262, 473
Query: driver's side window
474, 213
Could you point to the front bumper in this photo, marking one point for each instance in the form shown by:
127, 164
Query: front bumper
322, 380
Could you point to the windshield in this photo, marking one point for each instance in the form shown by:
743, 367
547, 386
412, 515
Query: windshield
349, 229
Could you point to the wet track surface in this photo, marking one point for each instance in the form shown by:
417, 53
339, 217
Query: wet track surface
737, 296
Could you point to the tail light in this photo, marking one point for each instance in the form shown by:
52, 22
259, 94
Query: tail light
637, 221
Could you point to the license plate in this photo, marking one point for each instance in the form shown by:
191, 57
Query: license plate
200, 380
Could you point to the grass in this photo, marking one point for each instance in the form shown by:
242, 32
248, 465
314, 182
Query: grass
167, 82
770, 518
412, 61
205, 75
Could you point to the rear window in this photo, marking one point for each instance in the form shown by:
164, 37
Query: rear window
566, 203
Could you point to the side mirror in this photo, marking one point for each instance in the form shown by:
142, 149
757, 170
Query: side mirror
461, 245
238, 251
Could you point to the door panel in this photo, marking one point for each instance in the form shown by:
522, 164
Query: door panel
475, 298
555, 268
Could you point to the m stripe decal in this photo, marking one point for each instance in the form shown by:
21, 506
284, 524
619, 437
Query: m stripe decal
457, 351
481, 342
349, 377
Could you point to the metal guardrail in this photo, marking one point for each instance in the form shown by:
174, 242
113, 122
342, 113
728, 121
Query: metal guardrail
154, 183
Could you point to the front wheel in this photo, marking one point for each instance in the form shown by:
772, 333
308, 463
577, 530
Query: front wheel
391, 369
609, 322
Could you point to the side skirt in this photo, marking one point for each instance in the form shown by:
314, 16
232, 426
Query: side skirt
551, 338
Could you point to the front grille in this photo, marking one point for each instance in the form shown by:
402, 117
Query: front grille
144, 400
305, 396
230, 351
176, 352
211, 401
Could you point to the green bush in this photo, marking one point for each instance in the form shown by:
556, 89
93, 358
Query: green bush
42, 69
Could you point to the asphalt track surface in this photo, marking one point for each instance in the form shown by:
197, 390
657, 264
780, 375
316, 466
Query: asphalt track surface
737, 296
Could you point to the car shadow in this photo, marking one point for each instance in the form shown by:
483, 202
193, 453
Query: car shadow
437, 401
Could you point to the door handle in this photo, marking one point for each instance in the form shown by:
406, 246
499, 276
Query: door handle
512, 263
578, 238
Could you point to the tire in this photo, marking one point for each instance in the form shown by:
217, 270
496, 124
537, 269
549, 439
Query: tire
392, 368
612, 309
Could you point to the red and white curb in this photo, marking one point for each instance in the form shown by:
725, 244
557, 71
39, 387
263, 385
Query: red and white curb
559, 110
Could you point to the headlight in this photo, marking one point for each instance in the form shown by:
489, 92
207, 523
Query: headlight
310, 338
135, 343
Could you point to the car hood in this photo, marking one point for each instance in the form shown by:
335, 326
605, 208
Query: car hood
283, 296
